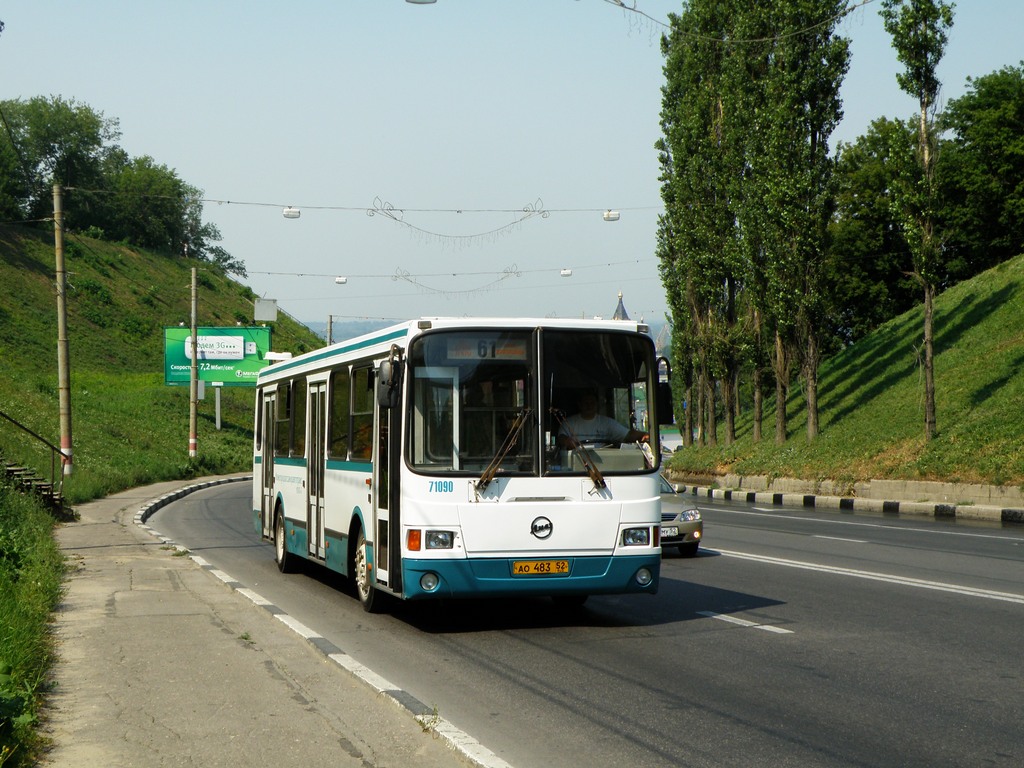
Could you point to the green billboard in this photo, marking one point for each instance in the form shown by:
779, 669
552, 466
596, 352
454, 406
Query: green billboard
229, 357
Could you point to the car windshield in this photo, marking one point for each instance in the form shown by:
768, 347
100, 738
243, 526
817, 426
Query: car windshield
495, 401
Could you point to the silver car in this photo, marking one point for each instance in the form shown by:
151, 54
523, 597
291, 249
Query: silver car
681, 523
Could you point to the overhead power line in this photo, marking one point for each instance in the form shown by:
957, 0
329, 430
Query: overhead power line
631, 7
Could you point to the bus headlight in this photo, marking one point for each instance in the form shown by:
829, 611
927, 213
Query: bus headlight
636, 537
643, 577
440, 539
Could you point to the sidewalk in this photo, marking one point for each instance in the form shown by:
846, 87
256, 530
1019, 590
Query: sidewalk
162, 664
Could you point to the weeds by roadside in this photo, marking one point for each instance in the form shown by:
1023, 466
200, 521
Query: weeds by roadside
31, 573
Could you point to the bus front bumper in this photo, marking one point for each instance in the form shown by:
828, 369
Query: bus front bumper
517, 577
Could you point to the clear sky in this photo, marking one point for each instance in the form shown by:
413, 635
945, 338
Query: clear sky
499, 130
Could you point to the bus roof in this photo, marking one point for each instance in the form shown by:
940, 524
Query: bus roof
378, 342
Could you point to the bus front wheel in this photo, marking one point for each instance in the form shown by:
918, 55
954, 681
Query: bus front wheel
361, 572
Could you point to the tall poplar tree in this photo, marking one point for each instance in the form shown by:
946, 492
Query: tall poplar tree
796, 64
919, 35
696, 160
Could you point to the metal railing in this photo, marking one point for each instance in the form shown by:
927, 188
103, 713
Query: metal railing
56, 458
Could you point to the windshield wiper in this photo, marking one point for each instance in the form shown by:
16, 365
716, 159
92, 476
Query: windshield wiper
580, 451
510, 440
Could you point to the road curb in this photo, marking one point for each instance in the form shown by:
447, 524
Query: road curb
853, 504
148, 509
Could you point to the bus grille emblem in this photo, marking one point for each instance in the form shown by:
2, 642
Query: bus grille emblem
541, 528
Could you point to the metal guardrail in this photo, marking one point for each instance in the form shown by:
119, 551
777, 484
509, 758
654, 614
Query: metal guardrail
53, 489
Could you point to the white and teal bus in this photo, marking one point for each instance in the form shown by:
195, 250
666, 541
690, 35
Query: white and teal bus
428, 460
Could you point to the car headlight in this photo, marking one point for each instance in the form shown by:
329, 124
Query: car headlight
690, 515
440, 539
636, 537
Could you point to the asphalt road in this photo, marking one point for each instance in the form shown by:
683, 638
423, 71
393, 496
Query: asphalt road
796, 638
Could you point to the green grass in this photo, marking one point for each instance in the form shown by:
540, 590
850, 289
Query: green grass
128, 428
31, 572
871, 401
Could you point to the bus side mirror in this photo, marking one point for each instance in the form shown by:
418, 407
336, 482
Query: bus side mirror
387, 384
665, 403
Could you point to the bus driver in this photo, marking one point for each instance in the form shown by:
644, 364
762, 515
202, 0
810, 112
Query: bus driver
588, 426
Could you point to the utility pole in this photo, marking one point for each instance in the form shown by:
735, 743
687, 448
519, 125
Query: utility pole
63, 367
193, 384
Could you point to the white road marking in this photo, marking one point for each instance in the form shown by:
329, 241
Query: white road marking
766, 512
297, 626
745, 623
906, 581
839, 538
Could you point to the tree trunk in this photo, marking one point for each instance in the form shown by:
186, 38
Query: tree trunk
811, 371
758, 404
701, 408
688, 415
929, 362
758, 383
781, 387
729, 403
712, 416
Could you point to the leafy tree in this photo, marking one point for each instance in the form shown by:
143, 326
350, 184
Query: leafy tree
867, 252
697, 233
136, 200
682, 352
794, 73
10, 186
201, 237
148, 206
981, 174
918, 29
59, 142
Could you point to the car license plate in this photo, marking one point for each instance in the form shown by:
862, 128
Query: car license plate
540, 567
667, 531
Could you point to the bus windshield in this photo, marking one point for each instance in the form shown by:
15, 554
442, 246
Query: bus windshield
505, 400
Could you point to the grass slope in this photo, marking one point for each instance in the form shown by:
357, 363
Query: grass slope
128, 428
871, 400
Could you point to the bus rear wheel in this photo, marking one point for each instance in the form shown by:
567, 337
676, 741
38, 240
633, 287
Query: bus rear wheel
285, 560
361, 573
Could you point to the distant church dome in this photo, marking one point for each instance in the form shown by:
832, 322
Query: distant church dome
620, 311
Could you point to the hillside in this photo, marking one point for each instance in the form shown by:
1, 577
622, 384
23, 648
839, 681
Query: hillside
128, 427
871, 400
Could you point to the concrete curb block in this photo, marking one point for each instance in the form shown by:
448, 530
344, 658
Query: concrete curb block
426, 717
147, 510
851, 504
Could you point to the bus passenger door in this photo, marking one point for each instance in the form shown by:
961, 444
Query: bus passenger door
267, 464
381, 495
315, 446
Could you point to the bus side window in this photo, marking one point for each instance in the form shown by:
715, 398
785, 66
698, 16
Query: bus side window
284, 407
362, 414
338, 439
298, 410
259, 421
